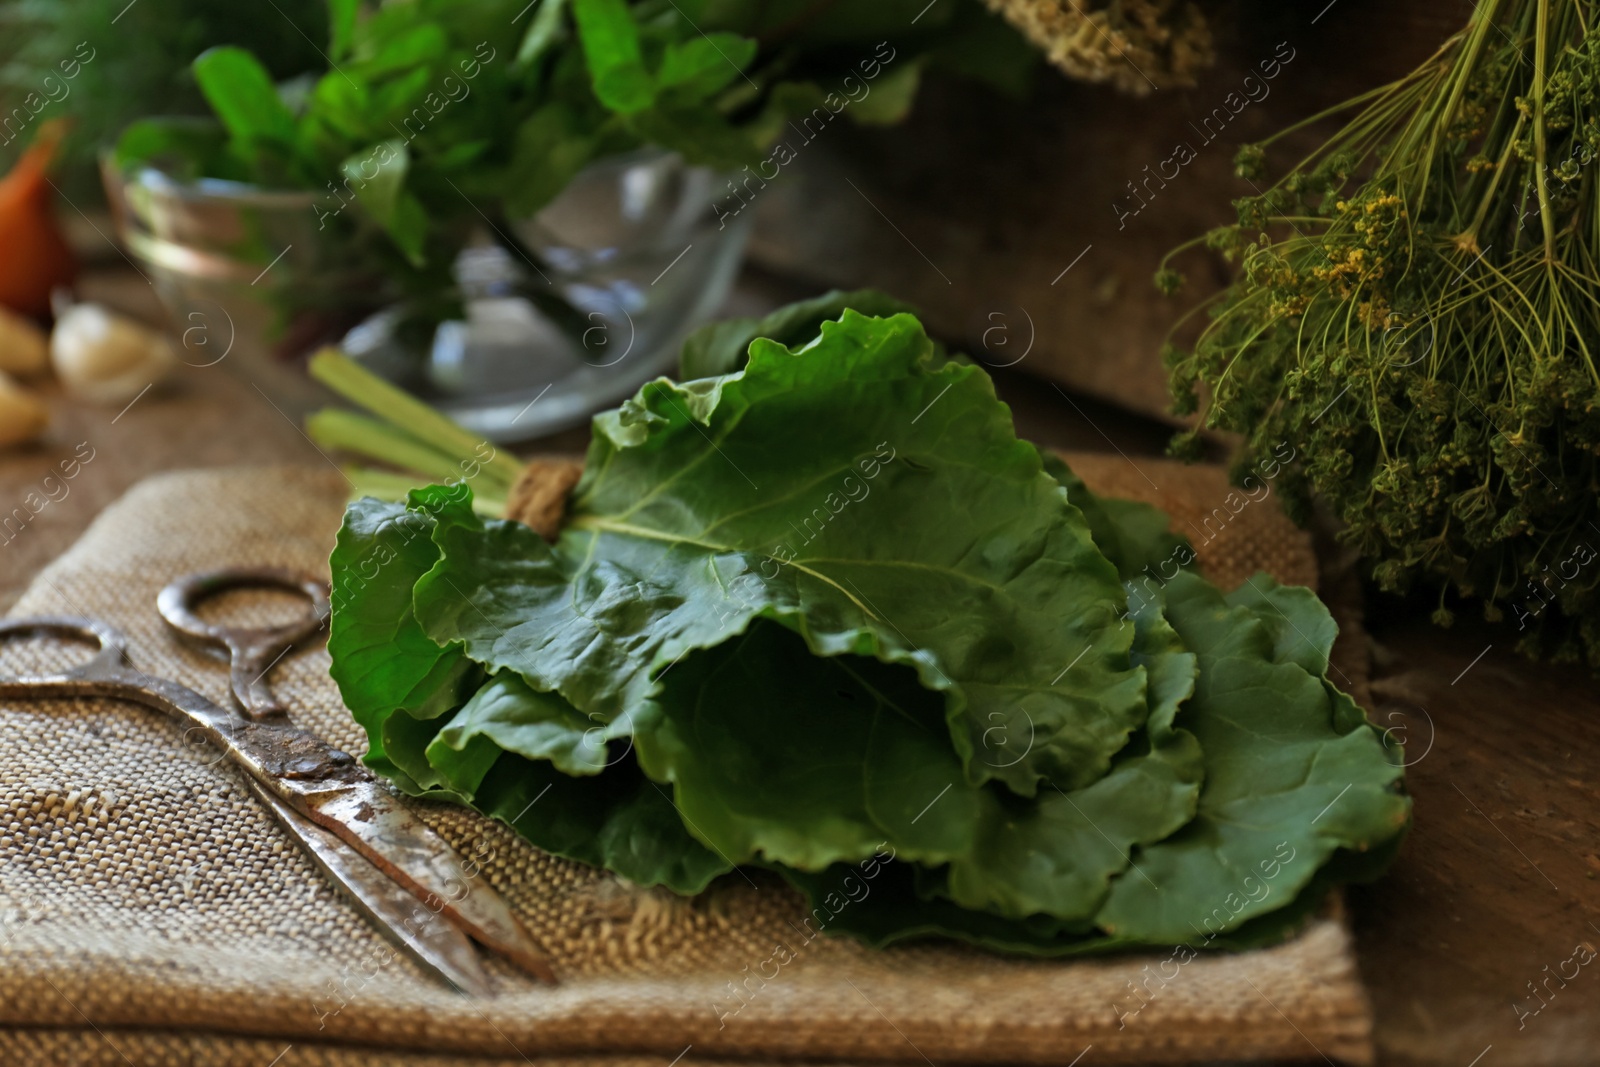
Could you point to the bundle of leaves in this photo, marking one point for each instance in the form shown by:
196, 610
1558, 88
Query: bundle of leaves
827, 614
1414, 313
435, 115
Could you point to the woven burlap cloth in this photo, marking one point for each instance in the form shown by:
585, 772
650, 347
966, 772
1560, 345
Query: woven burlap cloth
155, 914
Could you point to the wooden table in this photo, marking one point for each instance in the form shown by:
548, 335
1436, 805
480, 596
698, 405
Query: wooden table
1499, 881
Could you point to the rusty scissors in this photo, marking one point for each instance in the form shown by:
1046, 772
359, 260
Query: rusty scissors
401, 874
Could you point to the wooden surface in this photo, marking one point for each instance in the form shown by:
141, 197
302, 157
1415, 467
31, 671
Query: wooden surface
1012, 224
1499, 879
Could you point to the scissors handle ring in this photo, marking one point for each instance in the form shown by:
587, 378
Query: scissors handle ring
253, 651
105, 665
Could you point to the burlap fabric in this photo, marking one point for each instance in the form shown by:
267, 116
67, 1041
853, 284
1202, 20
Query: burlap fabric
155, 914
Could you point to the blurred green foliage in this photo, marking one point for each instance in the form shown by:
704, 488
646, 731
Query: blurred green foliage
140, 66
427, 117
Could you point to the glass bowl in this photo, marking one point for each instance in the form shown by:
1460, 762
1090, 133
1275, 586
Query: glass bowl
571, 310
566, 312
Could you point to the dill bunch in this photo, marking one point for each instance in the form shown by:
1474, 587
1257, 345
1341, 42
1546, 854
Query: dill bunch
1415, 312
1136, 45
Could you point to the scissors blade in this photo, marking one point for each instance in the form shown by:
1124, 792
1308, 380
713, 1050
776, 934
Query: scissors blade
434, 943
377, 824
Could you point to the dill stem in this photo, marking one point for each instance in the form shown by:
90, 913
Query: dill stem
1546, 219
1488, 200
1438, 117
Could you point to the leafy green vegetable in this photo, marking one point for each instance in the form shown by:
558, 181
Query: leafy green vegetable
616, 62
441, 114
1133, 535
383, 661
850, 754
800, 521
241, 92
341, 27
382, 192
532, 724
721, 347
433, 724
700, 66
1289, 759
1294, 774
826, 610
544, 30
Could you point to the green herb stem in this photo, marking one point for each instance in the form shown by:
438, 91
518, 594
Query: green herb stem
348, 431
397, 407
1541, 174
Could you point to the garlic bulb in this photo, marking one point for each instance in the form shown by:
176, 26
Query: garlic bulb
24, 348
106, 358
22, 415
